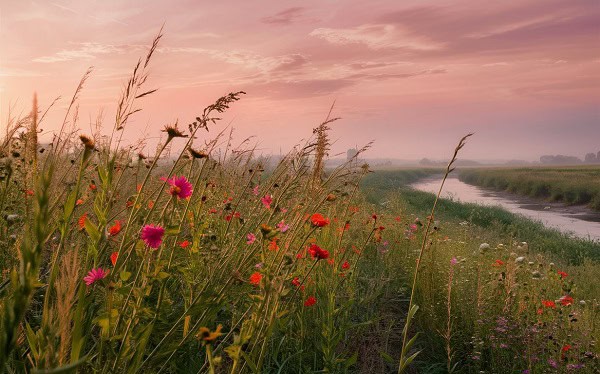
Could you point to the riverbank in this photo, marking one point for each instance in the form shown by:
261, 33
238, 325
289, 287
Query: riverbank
498, 222
570, 185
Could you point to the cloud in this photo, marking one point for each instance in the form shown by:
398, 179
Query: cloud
285, 17
376, 36
86, 51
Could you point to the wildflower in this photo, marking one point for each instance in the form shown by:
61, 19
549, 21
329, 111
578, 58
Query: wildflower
150, 204
453, 261
173, 132
255, 278
552, 363
184, 244
87, 142
318, 220
282, 226
95, 275
566, 300
273, 245
548, 303
317, 252
250, 238
519, 260
331, 197
484, 247
310, 301
93, 187
81, 221
267, 200
296, 282
115, 229
566, 347
152, 235
79, 202
255, 190
29, 192
498, 263
128, 204
197, 154
113, 258
180, 187
562, 274
345, 265
208, 336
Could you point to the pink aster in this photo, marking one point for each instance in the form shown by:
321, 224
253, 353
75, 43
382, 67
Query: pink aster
250, 238
282, 226
152, 235
180, 187
95, 275
267, 200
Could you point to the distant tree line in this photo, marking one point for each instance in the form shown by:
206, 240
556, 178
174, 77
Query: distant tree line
590, 158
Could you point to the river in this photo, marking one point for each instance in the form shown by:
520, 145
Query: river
575, 220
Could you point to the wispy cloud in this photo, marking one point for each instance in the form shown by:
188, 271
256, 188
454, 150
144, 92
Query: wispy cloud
376, 36
85, 51
285, 17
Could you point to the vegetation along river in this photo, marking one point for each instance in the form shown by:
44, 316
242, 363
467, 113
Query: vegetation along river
575, 220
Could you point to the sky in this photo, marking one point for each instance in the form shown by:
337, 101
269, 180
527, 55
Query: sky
414, 76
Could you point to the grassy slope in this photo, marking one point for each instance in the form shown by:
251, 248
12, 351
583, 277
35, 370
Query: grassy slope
572, 185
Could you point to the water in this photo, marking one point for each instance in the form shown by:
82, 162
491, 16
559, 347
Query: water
575, 220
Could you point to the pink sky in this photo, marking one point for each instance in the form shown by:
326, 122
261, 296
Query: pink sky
413, 75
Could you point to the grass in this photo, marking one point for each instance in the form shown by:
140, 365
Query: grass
571, 185
114, 260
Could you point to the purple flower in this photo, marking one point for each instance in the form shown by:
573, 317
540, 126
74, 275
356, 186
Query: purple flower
95, 275
453, 261
282, 226
552, 363
152, 235
180, 187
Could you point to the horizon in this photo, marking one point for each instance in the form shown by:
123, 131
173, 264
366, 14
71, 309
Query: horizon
524, 76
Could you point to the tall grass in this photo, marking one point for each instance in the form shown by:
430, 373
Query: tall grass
571, 185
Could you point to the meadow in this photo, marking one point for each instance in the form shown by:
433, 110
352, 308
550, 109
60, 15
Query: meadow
571, 185
115, 260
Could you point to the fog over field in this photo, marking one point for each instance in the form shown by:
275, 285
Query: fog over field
414, 75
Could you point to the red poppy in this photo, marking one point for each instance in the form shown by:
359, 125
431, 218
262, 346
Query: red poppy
566, 300
562, 274
79, 202
29, 192
81, 221
566, 347
548, 303
498, 263
113, 257
310, 301
184, 244
345, 265
296, 282
273, 245
115, 229
317, 252
255, 278
93, 187
318, 220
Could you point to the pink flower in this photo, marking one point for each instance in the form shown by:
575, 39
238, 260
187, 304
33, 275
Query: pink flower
180, 187
250, 238
95, 275
267, 200
152, 235
282, 226
453, 261
255, 190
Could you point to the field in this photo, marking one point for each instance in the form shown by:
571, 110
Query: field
571, 185
118, 261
